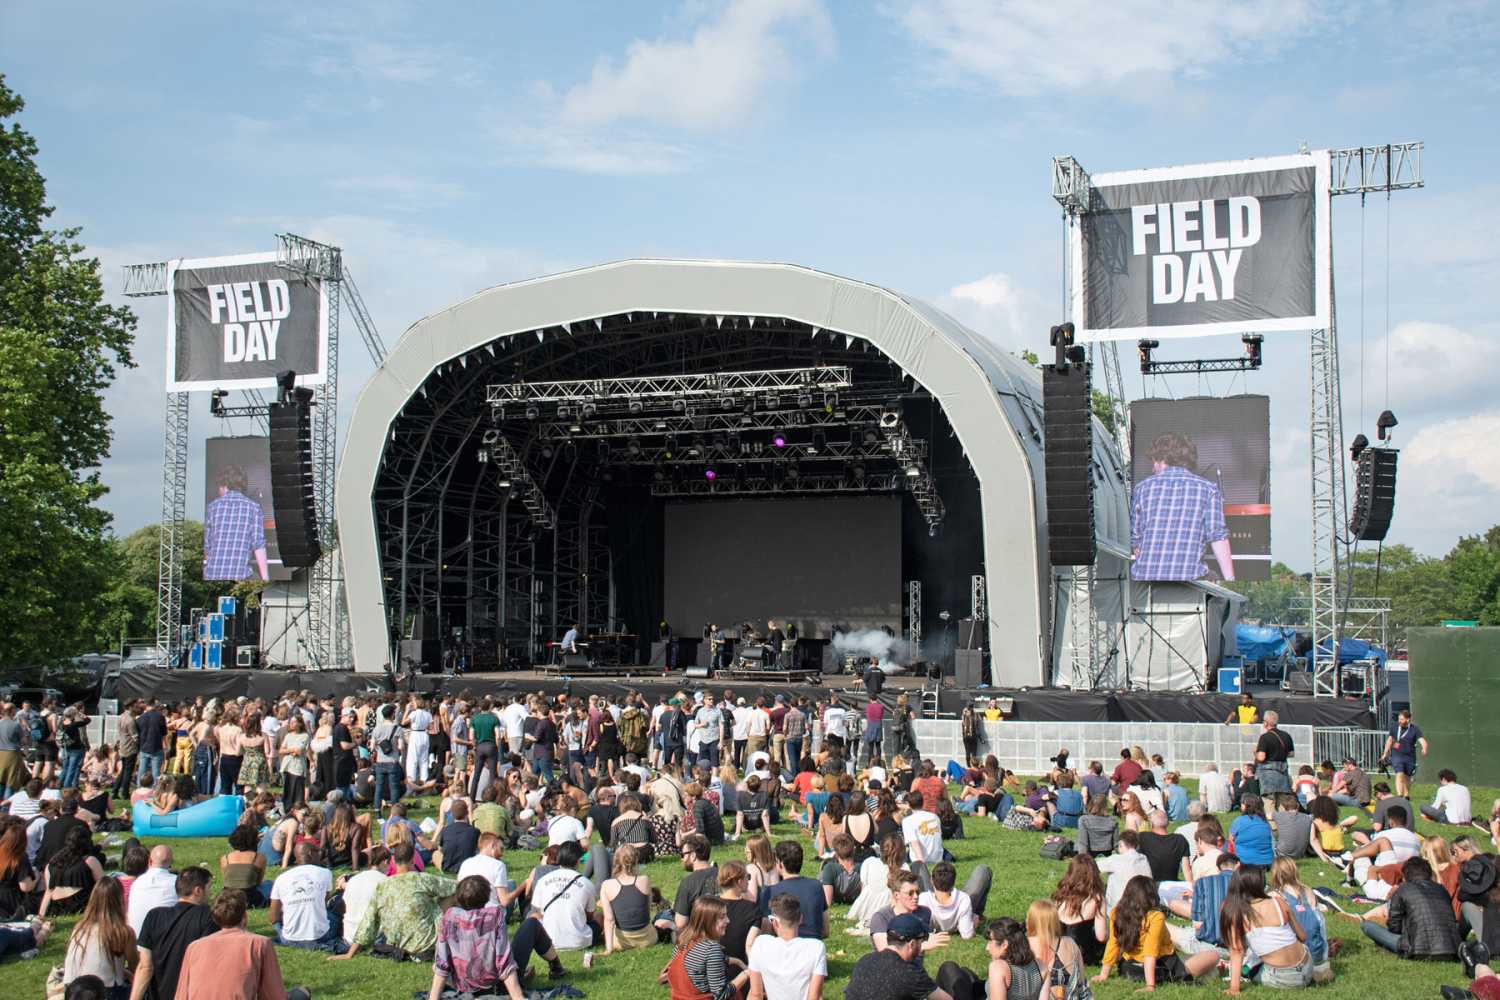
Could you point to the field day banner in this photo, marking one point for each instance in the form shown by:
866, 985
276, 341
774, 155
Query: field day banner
237, 322
1236, 247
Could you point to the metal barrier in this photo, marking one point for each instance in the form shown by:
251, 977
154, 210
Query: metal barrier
1364, 745
1027, 747
101, 729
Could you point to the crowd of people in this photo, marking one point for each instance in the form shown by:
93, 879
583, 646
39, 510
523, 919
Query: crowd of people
602, 787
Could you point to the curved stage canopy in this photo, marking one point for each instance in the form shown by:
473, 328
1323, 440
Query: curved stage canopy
485, 492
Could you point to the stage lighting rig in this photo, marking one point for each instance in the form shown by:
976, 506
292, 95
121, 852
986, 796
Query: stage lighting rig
532, 412
1251, 361
1253, 343
1144, 349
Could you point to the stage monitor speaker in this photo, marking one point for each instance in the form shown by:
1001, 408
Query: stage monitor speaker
292, 499
1069, 458
968, 668
751, 651
247, 656
970, 633
658, 655
575, 661
698, 672
1374, 494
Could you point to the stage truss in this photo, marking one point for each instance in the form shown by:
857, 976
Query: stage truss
1358, 170
524, 438
328, 627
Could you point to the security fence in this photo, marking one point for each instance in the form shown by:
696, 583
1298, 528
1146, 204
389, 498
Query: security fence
1364, 745
1027, 747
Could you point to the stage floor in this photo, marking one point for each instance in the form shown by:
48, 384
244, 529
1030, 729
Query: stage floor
1028, 704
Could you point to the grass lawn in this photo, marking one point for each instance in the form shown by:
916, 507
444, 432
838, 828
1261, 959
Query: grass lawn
1363, 970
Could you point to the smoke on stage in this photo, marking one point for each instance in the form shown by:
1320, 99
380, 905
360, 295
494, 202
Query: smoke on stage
891, 654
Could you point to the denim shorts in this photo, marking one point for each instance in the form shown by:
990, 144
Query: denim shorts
1291, 977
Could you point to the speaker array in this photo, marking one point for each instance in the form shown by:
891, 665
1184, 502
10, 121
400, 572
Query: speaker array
1069, 443
1374, 494
292, 484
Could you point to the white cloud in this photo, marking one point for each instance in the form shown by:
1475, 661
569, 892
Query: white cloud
1026, 48
1434, 367
561, 146
1448, 482
377, 61
996, 306
712, 80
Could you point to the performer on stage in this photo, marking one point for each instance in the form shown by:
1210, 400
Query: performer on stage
774, 638
569, 642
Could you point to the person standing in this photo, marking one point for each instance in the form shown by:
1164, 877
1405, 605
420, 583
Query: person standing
794, 728
386, 741
483, 726
1401, 746
418, 745
1271, 754
968, 726
127, 748
874, 729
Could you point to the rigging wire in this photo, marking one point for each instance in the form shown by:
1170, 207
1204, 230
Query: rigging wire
1387, 299
1362, 214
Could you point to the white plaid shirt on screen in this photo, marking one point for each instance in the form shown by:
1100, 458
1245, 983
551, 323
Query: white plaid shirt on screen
1173, 515
233, 528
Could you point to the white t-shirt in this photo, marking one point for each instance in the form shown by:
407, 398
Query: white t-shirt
492, 870
876, 774
759, 723
1455, 803
418, 721
958, 915
514, 717
1189, 833
1404, 844
155, 887
1215, 790
34, 837
787, 967
271, 725
833, 721
359, 893
563, 829
742, 722
923, 828
303, 894
565, 897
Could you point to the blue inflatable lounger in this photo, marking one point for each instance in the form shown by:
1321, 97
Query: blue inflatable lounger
215, 818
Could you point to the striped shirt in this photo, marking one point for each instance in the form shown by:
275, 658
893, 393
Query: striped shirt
1174, 515
704, 964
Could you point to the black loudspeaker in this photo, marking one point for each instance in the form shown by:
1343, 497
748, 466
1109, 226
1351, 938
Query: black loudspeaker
752, 652
968, 668
292, 484
1069, 444
1374, 494
575, 661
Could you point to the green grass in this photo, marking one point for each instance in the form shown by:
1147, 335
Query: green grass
1363, 970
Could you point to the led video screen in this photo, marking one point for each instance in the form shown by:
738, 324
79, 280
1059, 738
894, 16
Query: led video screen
1200, 505
239, 523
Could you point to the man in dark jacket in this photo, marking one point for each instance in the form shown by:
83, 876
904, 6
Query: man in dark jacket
1421, 922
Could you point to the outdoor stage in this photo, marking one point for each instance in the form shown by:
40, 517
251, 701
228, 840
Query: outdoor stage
1029, 704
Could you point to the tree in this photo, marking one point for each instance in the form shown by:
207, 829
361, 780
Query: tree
1104, 407
60, 346
1270, 601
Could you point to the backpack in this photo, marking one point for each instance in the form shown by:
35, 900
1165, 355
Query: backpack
677, 728
1057, 849
37, 726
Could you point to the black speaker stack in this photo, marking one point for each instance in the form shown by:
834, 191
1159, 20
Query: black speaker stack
1067, 397
1374, 493
292, 483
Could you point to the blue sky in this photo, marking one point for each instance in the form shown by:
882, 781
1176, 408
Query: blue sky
905, 143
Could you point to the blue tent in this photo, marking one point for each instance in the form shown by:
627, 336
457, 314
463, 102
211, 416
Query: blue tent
1262, 642
1353, 649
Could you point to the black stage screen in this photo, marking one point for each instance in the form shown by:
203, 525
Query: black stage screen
833, 560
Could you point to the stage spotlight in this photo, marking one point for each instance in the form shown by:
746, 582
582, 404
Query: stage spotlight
658, 474
819, 443
503, 482
603, 452
547, 451
870, 436
912, 471
858, 470
679, 406
696, 448
1253, 343
635, 406
564, 412
710, 475
1384, 423
793, 471
660, 424
588, 410
1357, 447
1144, 349
574, 427
779, 440
771, 402
490, 436
804, 399
633, 447
532, 412
216, 402
890, 417
482, 456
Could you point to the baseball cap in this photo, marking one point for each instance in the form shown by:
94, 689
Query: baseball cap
906, 927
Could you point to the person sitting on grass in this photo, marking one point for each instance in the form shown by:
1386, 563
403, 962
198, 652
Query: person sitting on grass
783, 965
299, 903
406, 908
1327, 841
698, 970
1098, 831
244, 868
840, 874
1391, 846
625, 899
1420, 921
102, 943
1254, 922
1013, 971
1250, 835
951, 911
1122, 867
906, 895
1303, 903
754, 812
1202, 909
472, 954
809, 892
1140, 945
232, 962
167, 932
